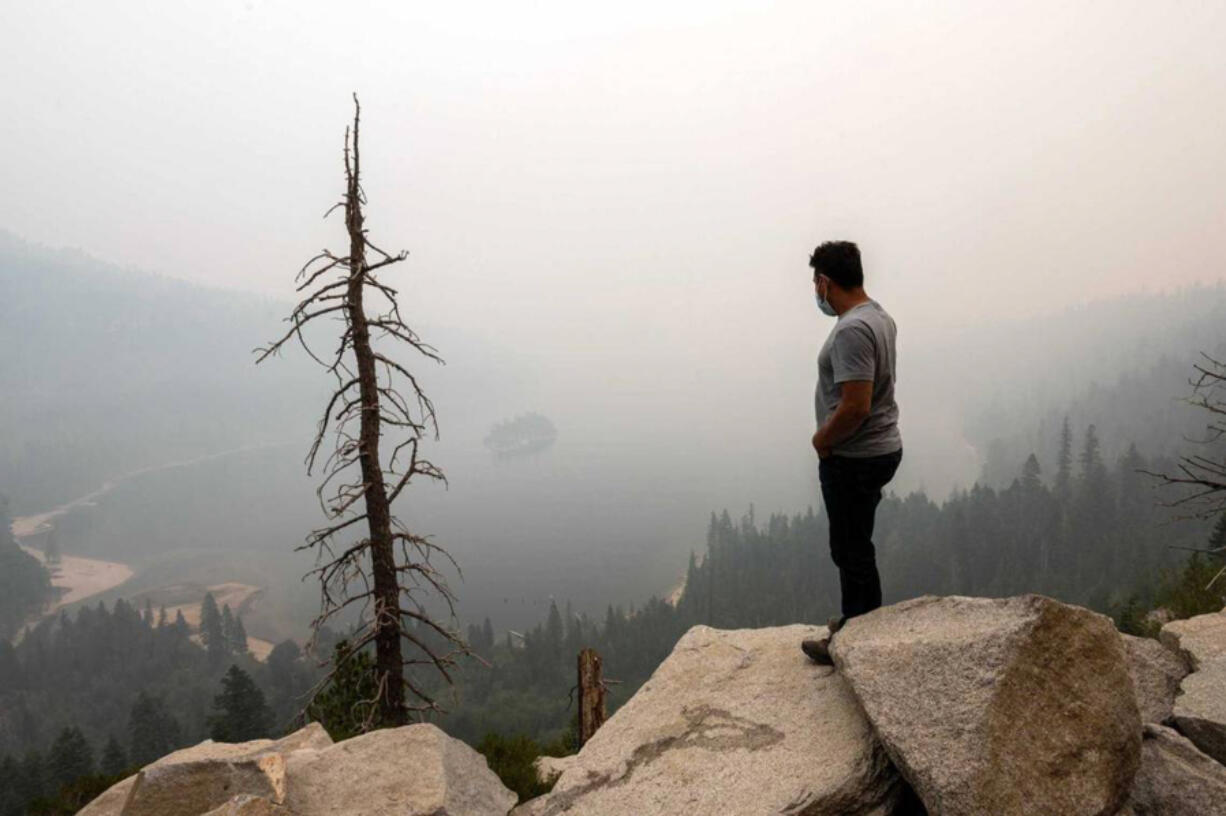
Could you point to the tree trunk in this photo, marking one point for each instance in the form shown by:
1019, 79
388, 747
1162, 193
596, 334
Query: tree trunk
389, 662
591, 695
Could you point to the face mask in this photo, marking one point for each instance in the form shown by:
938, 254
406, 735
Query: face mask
825, 306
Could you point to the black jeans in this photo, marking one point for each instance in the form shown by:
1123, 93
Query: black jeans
851, 489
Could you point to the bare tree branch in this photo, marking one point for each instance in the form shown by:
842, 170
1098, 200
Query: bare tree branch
1202, 478
380, 574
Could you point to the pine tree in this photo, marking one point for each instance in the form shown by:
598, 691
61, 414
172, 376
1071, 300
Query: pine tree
283, 667
574, 632
1094, 487
553, 629
211, 632
238, 636
152, 731
349, 704
114, 760
487, 635
12, 803
239, 711
1091, 457
1217, 539
1064, 462
70, 758
1030, 474
1129, 469
33, 781
227, 626
1132, 509
10, 667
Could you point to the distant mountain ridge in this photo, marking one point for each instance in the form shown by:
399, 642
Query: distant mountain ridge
1122, 365
106, 370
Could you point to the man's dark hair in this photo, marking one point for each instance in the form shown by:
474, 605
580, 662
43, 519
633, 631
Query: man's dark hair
839, 261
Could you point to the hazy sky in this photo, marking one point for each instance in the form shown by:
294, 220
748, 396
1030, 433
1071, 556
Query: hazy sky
617, 202
628, 192
621, 162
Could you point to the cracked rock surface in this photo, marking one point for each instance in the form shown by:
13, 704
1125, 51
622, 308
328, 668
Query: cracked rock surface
1156, 672
1200, 708
734, 721
194, 780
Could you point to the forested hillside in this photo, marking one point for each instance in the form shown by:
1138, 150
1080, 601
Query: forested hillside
1122, 365
25, 585
1060, 508
1087, 531
106, 370
1090, 532
89, 670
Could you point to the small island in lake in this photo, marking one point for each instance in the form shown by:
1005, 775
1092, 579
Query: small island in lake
525, 434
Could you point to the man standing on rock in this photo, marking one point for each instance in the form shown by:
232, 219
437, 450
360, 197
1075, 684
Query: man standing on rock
857, 440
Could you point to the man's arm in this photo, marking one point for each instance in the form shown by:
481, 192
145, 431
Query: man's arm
855, 402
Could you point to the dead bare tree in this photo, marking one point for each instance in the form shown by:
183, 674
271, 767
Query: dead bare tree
384, 574
1203, 477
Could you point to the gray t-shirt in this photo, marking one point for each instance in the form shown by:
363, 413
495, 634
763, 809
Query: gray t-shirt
861, 347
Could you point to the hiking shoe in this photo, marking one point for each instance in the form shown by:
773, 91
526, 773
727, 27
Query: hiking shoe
835, 624
818, 651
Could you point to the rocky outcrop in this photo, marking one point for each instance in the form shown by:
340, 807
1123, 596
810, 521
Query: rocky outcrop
416, 770
976, 706
998, 706
733, 722
1156, 673
1176, 779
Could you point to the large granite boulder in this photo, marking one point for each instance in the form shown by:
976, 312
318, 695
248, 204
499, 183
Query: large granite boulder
998, 706
732, 722
1176, 779
1156, 673
411, 771
415, 770
206, 776
1199, 640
